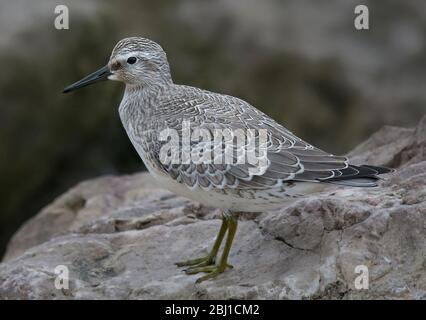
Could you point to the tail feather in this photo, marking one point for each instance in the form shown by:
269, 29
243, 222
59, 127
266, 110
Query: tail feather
357, 182
379, 170
359, 176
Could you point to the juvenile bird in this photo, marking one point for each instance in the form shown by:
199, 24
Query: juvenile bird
158, 115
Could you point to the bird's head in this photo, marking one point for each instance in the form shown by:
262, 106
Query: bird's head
135, 61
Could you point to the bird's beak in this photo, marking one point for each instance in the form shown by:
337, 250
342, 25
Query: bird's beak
96, 76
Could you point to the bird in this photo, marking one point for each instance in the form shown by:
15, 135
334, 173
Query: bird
153, 105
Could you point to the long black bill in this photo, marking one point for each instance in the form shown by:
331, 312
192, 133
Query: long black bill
96, 76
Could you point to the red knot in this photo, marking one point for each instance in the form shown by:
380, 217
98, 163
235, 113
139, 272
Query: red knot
155, 112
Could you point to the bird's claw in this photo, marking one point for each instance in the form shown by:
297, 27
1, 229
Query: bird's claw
211, 270
199, 262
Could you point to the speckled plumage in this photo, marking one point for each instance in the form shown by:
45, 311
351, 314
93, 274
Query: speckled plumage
295, 167
152, 103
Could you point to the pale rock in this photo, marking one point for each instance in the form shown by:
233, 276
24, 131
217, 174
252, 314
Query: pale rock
120, 236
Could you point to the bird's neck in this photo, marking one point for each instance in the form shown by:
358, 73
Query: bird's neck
144, 90
139, 99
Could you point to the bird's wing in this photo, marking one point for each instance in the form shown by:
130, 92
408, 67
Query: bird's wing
289, 158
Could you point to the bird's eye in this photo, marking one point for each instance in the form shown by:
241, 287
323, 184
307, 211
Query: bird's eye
131, 60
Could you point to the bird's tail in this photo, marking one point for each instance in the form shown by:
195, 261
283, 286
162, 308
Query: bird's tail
359, 176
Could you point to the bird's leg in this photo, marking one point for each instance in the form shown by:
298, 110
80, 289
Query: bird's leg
211, 257
214, 270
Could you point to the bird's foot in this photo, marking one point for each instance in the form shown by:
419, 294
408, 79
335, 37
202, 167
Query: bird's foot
212, 271
199, 262
207, 263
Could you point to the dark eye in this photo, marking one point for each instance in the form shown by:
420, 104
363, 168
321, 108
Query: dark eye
131, 60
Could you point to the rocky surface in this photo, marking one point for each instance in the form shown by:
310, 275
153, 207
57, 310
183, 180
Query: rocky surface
120, 236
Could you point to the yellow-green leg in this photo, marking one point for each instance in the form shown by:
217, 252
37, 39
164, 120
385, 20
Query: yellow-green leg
214, 270
211, 257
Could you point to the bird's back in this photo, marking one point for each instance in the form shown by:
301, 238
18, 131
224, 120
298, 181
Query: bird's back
293, 166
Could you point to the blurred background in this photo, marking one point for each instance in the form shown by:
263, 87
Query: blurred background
302, 62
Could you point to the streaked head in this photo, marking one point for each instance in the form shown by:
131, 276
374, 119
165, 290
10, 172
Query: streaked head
134, 61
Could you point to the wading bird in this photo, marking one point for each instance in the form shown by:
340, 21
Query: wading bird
152, 103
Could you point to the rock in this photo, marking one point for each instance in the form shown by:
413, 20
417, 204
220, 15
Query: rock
120, 236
